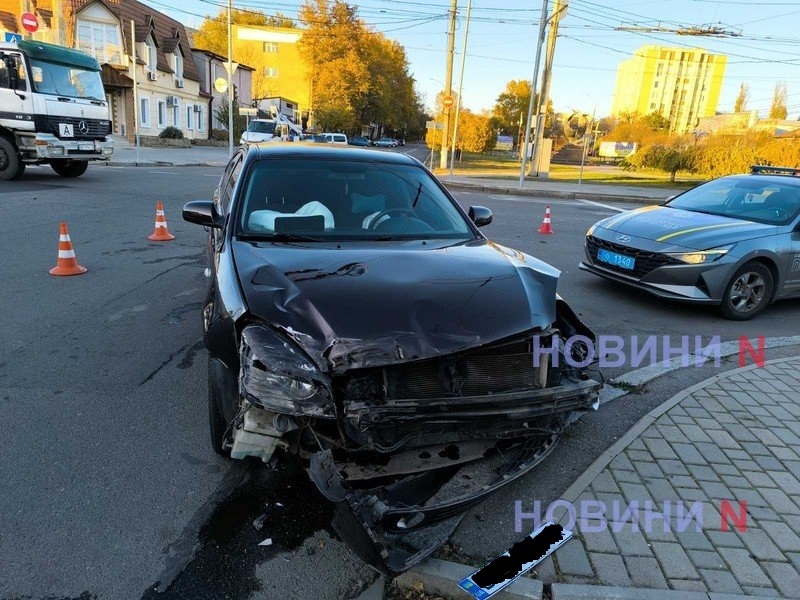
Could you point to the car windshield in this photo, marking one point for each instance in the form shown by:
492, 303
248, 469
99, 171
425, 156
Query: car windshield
261, 126
759, 199
65, 80
335, 200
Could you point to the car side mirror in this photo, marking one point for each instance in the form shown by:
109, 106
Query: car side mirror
202, 212
480, 215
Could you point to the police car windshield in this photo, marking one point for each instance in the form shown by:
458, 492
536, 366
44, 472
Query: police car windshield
769, 200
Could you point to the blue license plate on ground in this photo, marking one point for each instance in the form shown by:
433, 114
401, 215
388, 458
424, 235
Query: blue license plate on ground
618, 260
521, 557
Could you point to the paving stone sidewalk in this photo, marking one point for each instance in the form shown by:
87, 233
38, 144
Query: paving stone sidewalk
733, 438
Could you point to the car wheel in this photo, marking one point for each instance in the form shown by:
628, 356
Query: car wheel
748, 292
220, 382
11, 167
70, 168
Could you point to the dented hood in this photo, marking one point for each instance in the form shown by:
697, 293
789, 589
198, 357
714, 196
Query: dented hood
367, 304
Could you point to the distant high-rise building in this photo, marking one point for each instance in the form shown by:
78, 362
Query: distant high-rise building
681, 84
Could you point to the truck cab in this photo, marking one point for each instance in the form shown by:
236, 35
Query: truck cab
53, 109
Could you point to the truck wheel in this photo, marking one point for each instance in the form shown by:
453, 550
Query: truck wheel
70, 168
11, 167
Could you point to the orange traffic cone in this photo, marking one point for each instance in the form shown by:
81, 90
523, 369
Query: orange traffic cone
160, 233
67, 263
545, 226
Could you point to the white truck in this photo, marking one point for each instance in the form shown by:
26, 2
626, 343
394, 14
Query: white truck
53, 109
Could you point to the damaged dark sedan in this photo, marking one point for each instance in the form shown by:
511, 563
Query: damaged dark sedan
357, 317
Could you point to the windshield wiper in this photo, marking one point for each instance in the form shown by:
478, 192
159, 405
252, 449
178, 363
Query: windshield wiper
280, 237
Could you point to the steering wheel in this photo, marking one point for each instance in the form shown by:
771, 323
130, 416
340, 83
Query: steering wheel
392, 211
780, 213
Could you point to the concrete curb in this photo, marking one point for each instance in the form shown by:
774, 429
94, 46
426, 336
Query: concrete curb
555, 194
644, 375
160, 163
583, 481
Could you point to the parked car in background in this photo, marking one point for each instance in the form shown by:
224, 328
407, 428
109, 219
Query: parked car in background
386, 143
733, 242
352, 319
359, 141
318, 139
336, 138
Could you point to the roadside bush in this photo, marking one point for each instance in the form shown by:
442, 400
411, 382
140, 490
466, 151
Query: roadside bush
171, 133
726, 154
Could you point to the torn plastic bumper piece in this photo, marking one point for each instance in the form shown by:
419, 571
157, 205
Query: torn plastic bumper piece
403, 520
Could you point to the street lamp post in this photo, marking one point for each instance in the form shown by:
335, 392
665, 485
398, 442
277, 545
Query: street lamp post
230, 79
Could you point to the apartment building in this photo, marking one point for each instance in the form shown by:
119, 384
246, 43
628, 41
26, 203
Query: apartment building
681, 84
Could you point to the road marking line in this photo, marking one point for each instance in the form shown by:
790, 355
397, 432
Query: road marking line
601, 205
165, 172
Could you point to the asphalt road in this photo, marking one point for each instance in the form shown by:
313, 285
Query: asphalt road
108, 487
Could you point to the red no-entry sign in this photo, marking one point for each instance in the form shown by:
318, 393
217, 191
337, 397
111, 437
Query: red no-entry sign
29, 22
447, 101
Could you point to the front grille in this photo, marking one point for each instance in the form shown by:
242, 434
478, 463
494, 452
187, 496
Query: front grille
645, 261
496, 369
96, 128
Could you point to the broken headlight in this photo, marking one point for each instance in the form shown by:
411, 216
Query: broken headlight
277, 376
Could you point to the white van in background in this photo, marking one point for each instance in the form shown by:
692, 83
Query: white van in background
336, 138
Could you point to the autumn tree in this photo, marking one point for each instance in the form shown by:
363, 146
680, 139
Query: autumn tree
778, 109
643, 130
358, 76
511, 107
741, 99
669, 158
476, 133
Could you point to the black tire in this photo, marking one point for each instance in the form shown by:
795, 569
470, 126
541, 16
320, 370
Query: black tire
11, 167
220, 378
70, 168
748, 292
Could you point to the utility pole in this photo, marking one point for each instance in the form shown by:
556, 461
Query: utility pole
448, 82
230, 79
525, 140
460, 87
558, 14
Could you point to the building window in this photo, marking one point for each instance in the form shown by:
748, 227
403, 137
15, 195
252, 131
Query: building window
270, 71
162, 114
655, 85
150, 55
652, 106
660, 69
144, 112
271, 47
100, 40
177, 64
189, 117
176, 113
200, 118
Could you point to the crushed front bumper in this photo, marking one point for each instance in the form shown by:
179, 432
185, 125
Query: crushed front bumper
407, 508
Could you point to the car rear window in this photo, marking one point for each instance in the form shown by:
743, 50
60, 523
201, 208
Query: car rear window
332, 199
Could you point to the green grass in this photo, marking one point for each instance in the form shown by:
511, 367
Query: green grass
506, 165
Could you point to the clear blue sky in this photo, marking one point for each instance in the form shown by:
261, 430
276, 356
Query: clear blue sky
502, 35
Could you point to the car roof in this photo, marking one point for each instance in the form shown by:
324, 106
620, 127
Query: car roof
303, 150
768, 179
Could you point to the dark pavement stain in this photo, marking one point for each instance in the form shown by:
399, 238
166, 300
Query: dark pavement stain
224, 567
83, 596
